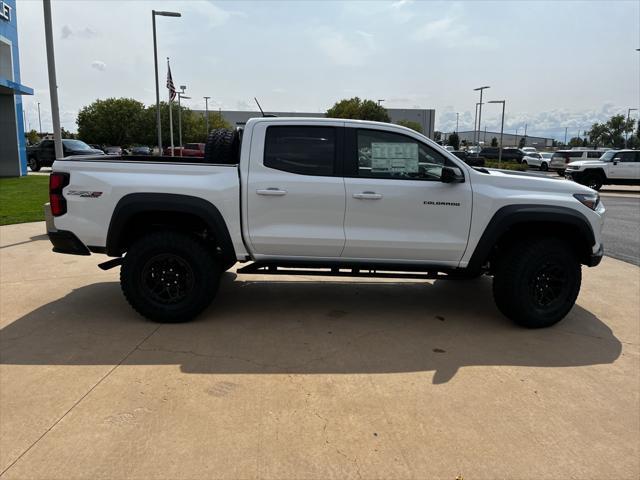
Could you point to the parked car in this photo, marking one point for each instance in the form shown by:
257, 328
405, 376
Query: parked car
561, 158
113, 151
189, 150
535, 159
615, 167
320, 196
508, 153
471, 160
140, 150
43, 154
96, 146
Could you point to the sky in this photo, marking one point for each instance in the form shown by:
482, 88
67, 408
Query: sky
557, 64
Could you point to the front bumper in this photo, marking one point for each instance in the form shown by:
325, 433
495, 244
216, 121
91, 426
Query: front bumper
596, 258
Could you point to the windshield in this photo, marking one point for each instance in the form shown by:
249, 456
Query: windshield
607, 156
76, 145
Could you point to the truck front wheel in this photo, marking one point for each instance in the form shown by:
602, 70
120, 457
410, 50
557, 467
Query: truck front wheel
33, 163
537, 281
169, 277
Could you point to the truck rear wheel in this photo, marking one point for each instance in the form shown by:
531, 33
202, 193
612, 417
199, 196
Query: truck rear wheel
537, 281
222, 146
169, 277
593, 180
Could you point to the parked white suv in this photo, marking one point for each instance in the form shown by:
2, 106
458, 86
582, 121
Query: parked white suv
324, 197
615, 167
562, 158
539, 160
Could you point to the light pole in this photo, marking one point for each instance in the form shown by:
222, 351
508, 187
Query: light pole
53, 84
476, 128
481, 89
206, 112
565, 135
181, 95
457, 117
39, 121
155, 63
626, 134
503, 102
515, 141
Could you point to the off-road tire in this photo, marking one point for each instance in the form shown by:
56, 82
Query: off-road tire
544, 166
185, 261
33, 164
222, 147
593, 180
522, 277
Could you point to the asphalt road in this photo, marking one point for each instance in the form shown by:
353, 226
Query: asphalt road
621, 232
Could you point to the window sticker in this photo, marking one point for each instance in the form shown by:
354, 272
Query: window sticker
394, 157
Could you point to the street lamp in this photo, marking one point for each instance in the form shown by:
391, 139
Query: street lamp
476, 128
380, 100
503, 102
39, 121
626, 134
480, 111
457, 117
206, 112
155, 62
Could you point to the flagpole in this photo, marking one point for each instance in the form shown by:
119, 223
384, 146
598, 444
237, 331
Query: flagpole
170, 117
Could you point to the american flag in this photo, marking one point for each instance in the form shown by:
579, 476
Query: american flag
170, 86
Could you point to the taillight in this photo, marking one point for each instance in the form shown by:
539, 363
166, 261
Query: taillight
57, 181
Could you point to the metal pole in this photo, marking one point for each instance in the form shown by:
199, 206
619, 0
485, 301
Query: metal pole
480, 116
457, 117
515, 141
155, 64
206, 112
179, 122
501, 130
475, 120
565, 135
170, 118
39, 120
626, 134
53, 84
525, 134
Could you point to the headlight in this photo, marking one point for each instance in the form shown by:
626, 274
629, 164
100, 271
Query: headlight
573, 167
590, 200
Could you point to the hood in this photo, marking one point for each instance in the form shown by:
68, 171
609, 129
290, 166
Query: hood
580, 163
93, 151
525, 181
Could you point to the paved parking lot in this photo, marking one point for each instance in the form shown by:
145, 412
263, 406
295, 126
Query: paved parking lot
292, 377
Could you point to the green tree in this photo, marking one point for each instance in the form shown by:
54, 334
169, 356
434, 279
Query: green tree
454, 141
611, 133
521, 142
575, 142
194, 125
358, 109
411, 124
32, 137
599, 135
494, 142
64, 133
114, 121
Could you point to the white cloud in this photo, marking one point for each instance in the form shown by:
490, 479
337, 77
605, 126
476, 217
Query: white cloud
85, 32
98, 65
452, 31
340, 49
209, 13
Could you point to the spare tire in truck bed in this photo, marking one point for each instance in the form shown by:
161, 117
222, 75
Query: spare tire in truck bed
222, 146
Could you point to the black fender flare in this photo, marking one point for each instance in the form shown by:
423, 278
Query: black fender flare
137, 203
513, 215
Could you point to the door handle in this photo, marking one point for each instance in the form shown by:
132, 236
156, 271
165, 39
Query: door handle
368, 195
271, 191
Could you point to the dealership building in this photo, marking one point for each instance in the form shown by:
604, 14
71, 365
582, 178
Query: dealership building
508, 139
426, 118
13, 154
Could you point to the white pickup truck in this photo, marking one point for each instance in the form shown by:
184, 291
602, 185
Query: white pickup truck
324, 197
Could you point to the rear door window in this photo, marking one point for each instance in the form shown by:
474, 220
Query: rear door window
301, 149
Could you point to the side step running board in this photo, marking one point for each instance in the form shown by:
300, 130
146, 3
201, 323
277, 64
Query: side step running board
260, 268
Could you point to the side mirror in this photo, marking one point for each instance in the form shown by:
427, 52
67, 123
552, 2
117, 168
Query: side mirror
451, 175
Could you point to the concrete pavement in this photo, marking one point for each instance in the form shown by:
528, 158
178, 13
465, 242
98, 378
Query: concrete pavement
291, 377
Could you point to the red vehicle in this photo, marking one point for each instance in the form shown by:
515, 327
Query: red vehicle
189, 150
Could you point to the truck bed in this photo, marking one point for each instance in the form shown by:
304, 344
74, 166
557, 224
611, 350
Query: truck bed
142, 159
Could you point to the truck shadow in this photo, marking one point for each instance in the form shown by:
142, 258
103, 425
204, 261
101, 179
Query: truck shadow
307, 327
